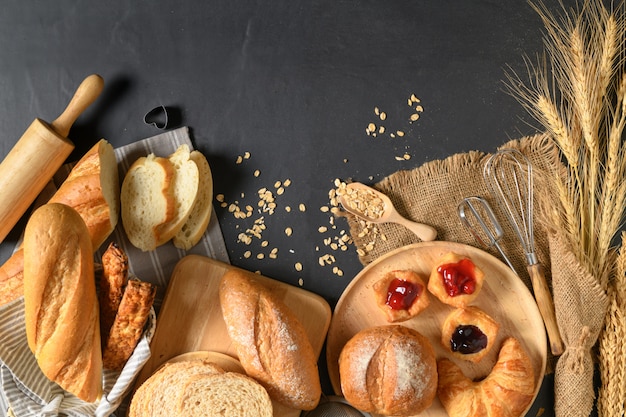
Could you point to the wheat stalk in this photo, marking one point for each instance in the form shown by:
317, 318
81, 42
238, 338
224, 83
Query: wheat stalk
576, 92
612, 350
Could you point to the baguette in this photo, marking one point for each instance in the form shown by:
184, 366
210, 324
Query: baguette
60, 301
130, 320
92, 189
271, 343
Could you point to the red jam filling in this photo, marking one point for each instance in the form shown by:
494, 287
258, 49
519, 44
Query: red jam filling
401, 294
468, 339
459, 277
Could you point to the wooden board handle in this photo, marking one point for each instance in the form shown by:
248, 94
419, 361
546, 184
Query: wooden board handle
85, 94
546, 308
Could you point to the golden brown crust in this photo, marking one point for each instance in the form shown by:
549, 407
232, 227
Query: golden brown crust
472, 316
12, 278
436, 283
507, 391
271, 343
112, 282
61, 307
84, 190
388, 370
396, 315
129, 323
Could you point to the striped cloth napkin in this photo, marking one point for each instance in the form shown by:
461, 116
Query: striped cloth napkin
25, 391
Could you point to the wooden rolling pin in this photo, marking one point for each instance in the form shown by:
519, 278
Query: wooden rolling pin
37, 156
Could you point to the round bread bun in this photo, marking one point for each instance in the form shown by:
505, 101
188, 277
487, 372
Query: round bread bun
388, 370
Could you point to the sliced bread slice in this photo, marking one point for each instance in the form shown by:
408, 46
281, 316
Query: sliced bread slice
157, 394
200, 215
227, 394
185, 190
147, 200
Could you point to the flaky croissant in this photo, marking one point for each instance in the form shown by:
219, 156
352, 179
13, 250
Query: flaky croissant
505, 392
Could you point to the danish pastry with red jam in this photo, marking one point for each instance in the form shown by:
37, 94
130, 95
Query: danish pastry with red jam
455, 280
401, 295
469, 333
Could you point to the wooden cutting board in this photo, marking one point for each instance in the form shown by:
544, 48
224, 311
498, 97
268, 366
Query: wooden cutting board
190, 319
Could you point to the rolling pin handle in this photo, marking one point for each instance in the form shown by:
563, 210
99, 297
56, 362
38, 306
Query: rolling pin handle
85, 94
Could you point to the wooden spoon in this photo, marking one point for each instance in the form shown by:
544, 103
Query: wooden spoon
375, 207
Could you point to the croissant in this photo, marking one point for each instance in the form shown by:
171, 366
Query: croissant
506, 392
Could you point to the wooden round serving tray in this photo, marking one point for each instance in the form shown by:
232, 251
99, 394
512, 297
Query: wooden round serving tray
503, 296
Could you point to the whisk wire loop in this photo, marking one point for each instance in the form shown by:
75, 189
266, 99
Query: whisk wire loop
508, 174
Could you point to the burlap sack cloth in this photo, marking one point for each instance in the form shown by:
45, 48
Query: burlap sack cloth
431, 194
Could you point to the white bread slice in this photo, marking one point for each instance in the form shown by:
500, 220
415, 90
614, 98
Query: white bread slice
147, 200
200, 215
227, 394
185, 190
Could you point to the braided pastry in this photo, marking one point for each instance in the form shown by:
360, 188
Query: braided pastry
506, 392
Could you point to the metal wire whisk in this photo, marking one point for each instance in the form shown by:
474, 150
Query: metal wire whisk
509, 176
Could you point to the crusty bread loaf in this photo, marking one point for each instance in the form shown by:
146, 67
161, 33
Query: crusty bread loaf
92, 189
388, 370
128, 325
199, 388
270, 341
200, 215
508, 390
147, 200
184, 188
61, 307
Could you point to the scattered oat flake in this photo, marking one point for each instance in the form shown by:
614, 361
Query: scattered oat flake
260, 256
376, 111
302, 207
400, 133
288, 231
239, 159
300, 282
419, 108
246, 155
257, 173
414, 117
298, 266
322, 229
371, 127
287, 183
247, 254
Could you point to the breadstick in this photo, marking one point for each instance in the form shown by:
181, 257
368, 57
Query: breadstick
128, 325
112, 282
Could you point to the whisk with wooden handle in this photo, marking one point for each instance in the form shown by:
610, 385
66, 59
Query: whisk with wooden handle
509, 176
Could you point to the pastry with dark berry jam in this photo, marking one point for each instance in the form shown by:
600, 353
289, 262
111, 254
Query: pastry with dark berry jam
455, 280
401, 295
469, 333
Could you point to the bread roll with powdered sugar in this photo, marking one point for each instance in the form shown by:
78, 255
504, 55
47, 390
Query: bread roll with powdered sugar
389, 370
271, 343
